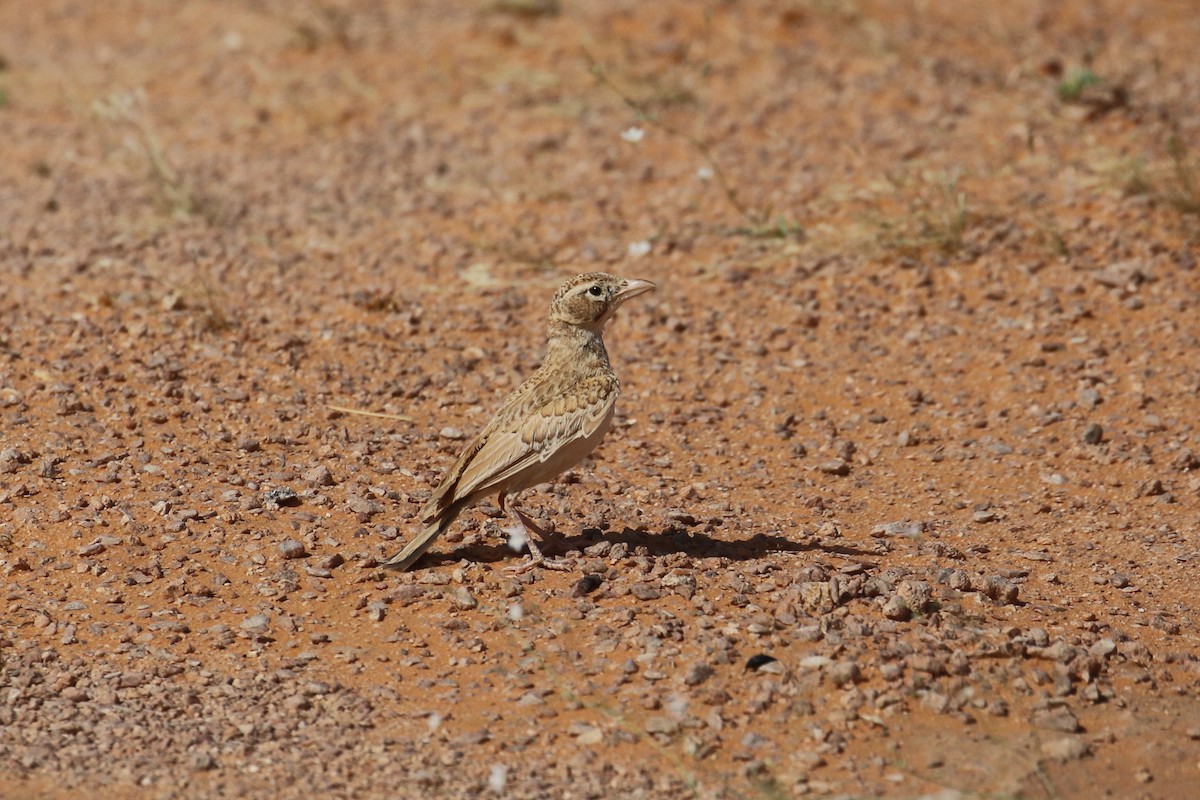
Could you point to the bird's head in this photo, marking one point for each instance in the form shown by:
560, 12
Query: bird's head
589, 300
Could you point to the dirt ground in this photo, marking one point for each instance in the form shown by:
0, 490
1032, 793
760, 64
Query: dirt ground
913, 411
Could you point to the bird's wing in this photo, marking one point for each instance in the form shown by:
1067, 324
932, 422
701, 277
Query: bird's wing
523, 435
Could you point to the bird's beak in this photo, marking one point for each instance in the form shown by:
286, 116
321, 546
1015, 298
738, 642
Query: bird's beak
633, 288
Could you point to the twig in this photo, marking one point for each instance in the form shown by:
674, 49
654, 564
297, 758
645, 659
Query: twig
348, 410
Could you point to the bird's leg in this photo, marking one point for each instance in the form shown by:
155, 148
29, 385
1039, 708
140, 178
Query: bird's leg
535, 553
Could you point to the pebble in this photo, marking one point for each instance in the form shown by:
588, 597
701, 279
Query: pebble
363, 506
1000, 589
959, 581
281, 496
585, 585
1093, 434
319, 476
463, 598
842, 673
896, 609
257, 622
1056, 719
661, 725
1066, 748
904, 527
201, 761
834, 467
645, 591
291, 548
917, 595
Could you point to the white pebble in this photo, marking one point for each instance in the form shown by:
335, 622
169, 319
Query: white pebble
498, 778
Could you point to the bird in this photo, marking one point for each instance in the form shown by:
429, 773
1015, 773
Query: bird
547, 425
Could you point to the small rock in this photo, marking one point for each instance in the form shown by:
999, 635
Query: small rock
201, 761
834, 467
319, 476
1127, 274
1151, 488
332, 561
663, 725
1060, 651
249, 445
987, 515
959, 581
593, 736
1057, 719
816, 596
896, 609
130, 680
1068, 748
464, 599
915, 594
899, 528
683, 584
363, 506
842, 673
281, 496
757, 662
681, 517
297, 702
1038, 637
74, 694
1001, 590
291, 548
257, 622
586, 585
645, 591
698, 674
498, 778
936, 702
453, 434
923, 662
1093, 434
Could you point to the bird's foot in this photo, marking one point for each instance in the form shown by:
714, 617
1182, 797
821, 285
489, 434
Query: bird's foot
545, 563
536, 559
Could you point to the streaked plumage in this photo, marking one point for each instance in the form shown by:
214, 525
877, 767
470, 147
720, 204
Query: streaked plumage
547, 425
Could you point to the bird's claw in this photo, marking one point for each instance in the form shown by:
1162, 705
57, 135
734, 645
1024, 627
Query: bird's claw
539, 561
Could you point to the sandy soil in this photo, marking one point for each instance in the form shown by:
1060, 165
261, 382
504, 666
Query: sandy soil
913, 412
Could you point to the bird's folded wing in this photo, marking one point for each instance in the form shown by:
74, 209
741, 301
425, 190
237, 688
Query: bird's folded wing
536, 435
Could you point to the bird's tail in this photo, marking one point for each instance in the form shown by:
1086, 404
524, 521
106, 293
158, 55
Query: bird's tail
417, 547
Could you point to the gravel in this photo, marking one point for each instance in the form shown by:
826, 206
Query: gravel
913, 463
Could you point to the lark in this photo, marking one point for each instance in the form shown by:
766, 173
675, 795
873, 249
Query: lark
547, 425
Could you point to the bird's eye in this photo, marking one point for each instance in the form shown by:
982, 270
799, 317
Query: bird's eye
595, 291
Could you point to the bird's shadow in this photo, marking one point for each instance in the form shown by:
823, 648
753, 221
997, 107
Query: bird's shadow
672, 540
